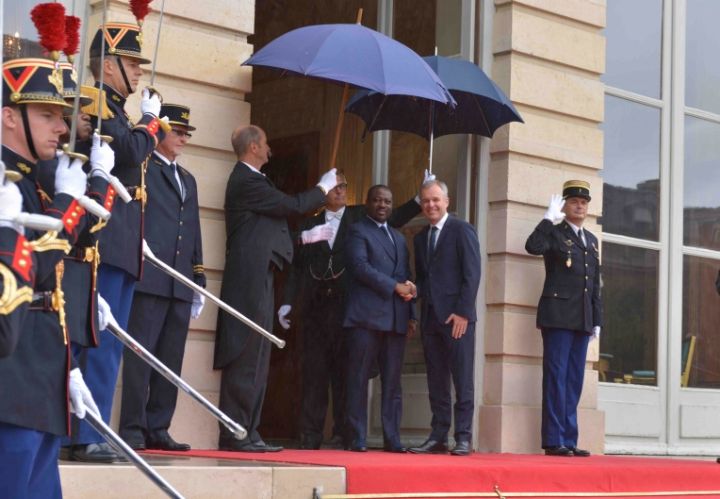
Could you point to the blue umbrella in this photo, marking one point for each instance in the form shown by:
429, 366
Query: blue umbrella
482, 107
353, 54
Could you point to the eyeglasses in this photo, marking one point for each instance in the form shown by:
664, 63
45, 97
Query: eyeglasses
181, 133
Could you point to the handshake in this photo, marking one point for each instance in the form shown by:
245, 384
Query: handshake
407, 290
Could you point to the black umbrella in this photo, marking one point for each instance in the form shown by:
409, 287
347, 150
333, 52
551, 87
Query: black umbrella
482, 107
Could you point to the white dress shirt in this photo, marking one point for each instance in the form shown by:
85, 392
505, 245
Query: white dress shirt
334, 218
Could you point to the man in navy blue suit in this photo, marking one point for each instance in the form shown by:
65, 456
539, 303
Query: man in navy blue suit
569, 312
378, 317
447, 269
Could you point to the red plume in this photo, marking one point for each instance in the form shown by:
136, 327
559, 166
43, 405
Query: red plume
72, 33
49, 19
140, 9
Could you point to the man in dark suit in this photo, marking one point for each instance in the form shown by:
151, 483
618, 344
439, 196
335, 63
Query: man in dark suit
569, 312
318, 282
162, 306
447, 269
258, 243
378, 317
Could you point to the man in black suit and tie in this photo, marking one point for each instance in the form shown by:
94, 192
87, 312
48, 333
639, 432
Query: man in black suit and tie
258, 243
162, 306
447, 269
318, 282
378, 317
569, 312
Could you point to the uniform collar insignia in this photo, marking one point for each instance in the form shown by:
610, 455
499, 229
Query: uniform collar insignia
24, 168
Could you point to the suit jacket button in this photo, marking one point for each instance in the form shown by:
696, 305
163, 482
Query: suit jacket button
554, 294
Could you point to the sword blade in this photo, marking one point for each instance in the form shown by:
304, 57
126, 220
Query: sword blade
118, 443
176, 380
207, 294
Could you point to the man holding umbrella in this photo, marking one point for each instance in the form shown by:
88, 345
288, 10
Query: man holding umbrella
258, 243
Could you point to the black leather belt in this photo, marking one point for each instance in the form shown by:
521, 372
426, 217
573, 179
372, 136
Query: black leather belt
42, 300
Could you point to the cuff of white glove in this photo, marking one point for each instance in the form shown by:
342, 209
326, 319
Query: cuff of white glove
304, 237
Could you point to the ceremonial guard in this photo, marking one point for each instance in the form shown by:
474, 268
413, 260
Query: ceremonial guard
318, 281
569, 312
121, 241
40, 373
162, 306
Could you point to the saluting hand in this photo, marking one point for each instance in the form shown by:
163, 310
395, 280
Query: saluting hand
554, 212
459, 325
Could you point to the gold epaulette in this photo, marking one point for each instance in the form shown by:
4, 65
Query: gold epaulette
94, 107
12, 296
49, 241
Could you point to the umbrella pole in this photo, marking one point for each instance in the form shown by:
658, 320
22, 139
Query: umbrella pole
341, 113
431, 125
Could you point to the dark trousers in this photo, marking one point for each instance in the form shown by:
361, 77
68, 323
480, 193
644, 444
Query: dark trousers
148, 400
100, 365
564, 354
324, 365
364, 348
244, 380
28, 463
447, 358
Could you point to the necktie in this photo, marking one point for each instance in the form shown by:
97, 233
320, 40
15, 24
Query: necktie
581, 235
433, 240
387, 233
179, 182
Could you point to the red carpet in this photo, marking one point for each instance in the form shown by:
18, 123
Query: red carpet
378, 472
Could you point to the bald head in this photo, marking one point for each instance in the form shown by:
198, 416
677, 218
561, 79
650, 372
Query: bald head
250, 145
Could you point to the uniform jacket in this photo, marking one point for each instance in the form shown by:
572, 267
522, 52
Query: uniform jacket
121, 240
312, 260
452, 277
376, 265
80, 276
571, 294
36, 374
17, 277
257, 234
172, 230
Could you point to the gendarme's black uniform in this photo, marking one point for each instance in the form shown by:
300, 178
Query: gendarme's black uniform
33, 380
121, 240
571, 294
160, 312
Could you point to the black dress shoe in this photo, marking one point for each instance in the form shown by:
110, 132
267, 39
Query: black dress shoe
579, 452
136, 444
166, 442
94, 453
558, 451
397, 449
461, 449
430, 447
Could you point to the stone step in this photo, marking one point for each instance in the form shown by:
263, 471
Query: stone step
200, 478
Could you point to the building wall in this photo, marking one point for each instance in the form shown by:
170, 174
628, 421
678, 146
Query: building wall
198, 64
548, 57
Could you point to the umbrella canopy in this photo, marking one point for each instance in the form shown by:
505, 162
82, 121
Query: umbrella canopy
353, 54
482, 107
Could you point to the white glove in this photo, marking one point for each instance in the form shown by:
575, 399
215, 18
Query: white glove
596, 332
428, 176
318, 233
69, 176
80, 396
282, 316
10, 201
105, 315
328, 181
147, 251
102, 158
150, 104
197, 305
554, 212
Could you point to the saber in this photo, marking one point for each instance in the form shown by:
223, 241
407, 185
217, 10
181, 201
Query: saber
157, 43
238, 431
118, 443
207, 294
